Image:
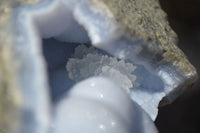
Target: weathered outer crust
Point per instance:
(145, 19)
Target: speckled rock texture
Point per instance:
(145, 19)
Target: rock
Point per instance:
(136, 31)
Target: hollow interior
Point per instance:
(58, 50)
(56, 54)
(61, 35)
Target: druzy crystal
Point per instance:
(44, 64)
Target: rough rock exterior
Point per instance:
(145, 19)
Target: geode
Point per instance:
(136, 32)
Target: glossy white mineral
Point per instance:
(97, 105)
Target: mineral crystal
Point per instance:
(104, 108)
(88, 62)
(135, 31)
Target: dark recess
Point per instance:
(183, 115)
(56, 54)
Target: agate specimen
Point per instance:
(125, 47)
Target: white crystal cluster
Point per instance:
(88, 61)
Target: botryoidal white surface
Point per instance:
(88, 61)
(97, 105)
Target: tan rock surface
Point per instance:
(146, 19)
